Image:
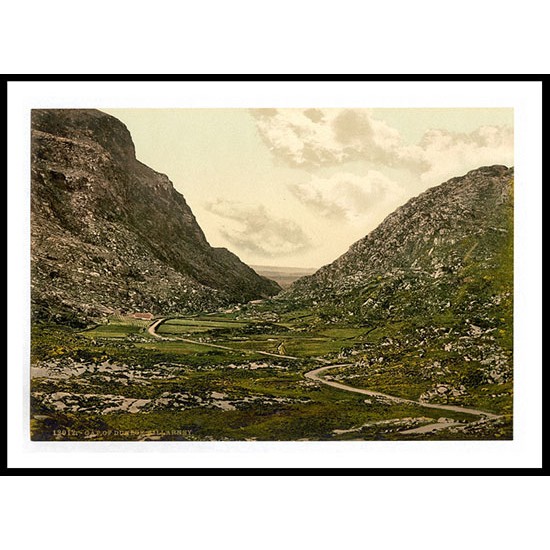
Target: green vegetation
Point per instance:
(117, 329)
(198, 324)
(189, 390)
(420, 311)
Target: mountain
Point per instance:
(446, 243)
(284, 276)
(109, 233)
(432, 286)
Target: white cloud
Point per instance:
(349, 197)
(449, 154)
(317, 137)
(251, 228)
(322, 137)
(301, 137)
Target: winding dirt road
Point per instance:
(152, 330)
(315, 375)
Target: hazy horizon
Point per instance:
(296, 188)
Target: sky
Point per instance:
(297, 187)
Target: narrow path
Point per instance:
(314, 375)
(152, 330)
(274, 354)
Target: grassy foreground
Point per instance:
(117, 382)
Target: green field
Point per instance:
(198, 324)
(117, 329)
(117, 382)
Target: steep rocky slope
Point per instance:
(433, 288)
(449, 239)
(110, 233)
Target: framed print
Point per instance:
(229, 273)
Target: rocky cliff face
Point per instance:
(110, 233)
(444, 250)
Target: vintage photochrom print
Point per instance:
(274, 274)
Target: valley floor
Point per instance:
(244, 376)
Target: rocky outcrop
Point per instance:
(110, 233)
(447, 249)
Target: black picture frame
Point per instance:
(296, 471)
